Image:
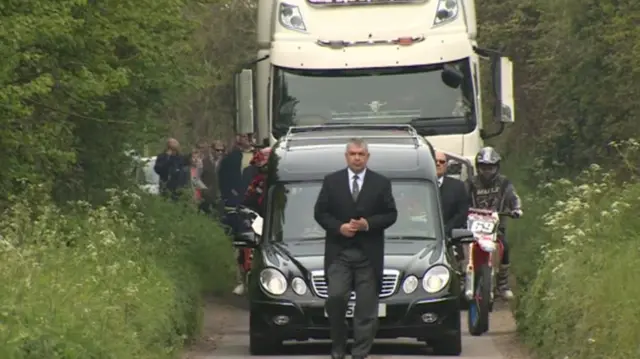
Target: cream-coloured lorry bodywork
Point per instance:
(445, 42)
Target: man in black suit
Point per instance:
(453, 196)
(354, 206)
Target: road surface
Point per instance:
(226, 328)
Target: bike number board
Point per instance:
(485, 227)
(351, 309)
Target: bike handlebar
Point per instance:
(240, 209)
(490, 212)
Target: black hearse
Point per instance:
(287, 288)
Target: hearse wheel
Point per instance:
(447, 346)
(262, 342)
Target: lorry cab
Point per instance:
(411, 62)
(287, 288)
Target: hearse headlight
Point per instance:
(273, 281)
(291, 17)
(299, 286)
(446, 11)
(410, 284)
(435, 279)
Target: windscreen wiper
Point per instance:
(436, 120)
(309, 239)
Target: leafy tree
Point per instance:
(577, 68)
(82, 81)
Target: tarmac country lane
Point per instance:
(226, 328)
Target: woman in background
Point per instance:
(195, 168)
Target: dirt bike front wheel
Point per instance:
(480, 305)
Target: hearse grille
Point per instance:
(390, 280)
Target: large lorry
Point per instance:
(373, 61)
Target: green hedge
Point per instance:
(576, 257)
(119, 281)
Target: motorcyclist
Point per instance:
(253, 199)
(491, 190)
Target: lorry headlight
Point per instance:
(291, 18)
(435, 279)
(273, 281)
(410, 284)
(299, 286)
(446, 11)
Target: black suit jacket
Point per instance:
(335, 206)
(455, 203)
(232, 177)
(209, 177)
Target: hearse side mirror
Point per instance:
(451, 76)
(503, 81)
(459, 236)
(256, 225)
(246, 239)
(244, 101)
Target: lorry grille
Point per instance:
(390, 280)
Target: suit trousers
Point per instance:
(351, 271)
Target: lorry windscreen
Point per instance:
(384, 95)
(292, 207)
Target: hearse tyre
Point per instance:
(262, 343)
(450, 345)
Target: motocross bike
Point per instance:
(483, 254)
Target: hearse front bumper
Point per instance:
(423, 319)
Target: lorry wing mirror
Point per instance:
(454, 168)
(244, 101)
(451, 76)
(506, 110)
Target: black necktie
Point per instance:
(356, 188)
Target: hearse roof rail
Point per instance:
(305, 135)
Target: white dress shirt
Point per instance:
(360, 178)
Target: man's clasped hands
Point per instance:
(349, 229)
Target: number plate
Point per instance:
(480, 226)
(351, 307)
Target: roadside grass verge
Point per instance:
(119, 281)
(576, 258)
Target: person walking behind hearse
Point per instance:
(232, 183)
(355, 206)
(454, 199)
(211, 164)
(195, 171)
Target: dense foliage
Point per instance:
(576, 259)
(83, 81)
(123, 280)
(86, 272)
(577, 69)
(574, 253)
